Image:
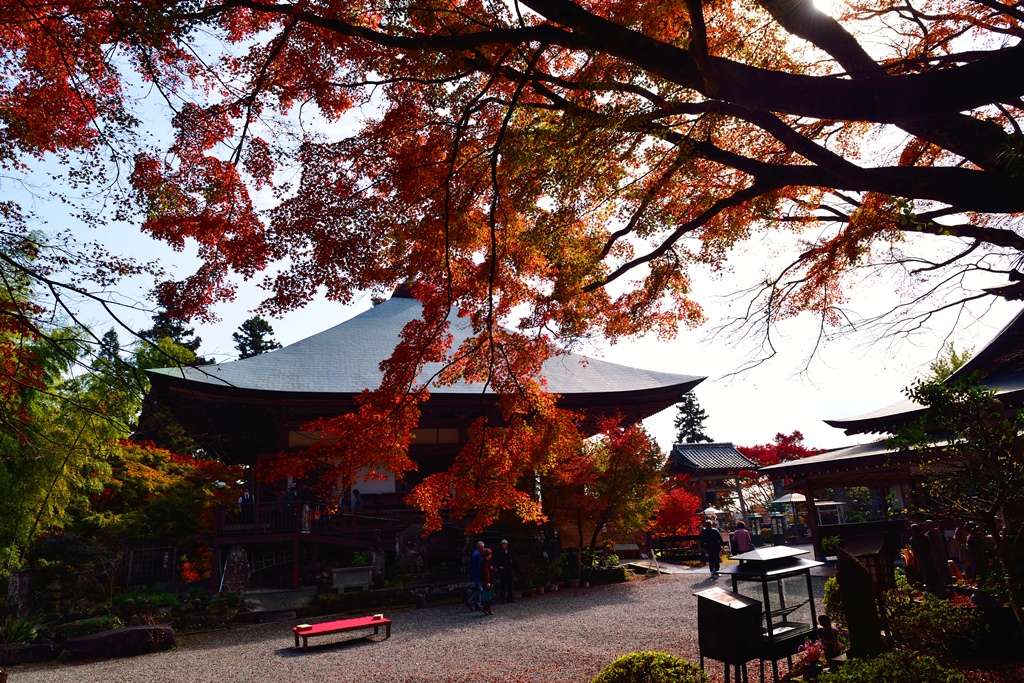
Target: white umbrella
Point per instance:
(791, 498)
(712, 511)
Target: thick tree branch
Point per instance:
(881, 99)
(1008, 10)
(976, 140)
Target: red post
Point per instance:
(215, 566)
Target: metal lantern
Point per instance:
(780, 581)
(778, 521)
(754, 522)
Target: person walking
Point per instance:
(744, 544)
(506, 564)
(711, 542)
(476, 561)
(487, 594)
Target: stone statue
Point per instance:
(859, 602)
(929, 575)
(828, 637)
(409, 550)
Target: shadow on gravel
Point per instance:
(335, 646)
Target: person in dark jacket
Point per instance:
(506, 565)
(476, 561)
(711, 542)
(486, 580)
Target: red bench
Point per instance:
(326, 627)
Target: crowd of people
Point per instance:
(295, 502)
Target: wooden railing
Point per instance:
(313, 518)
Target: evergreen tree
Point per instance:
(254, 337)
(689, 422)
(166, 327)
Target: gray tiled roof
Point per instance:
(708, 458)
(345, 359)
(889, 418)
(869, 459)
(840, 458)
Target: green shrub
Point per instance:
(767, 535)
(18, 630)
(830, 544)
(901, 666)
(232, 600)
(156, 598)
(833, 603)
(557, 567)
(86, 627)
(361, 558)
(650, 667)
(197, 593)
(930, 624)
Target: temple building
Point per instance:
(250, 410)
(714, 468)
(891, 474)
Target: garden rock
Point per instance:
(20, 590)
(236, 572)
(123, 642)
(27, 653)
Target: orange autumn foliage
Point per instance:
(521, 162)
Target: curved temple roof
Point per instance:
(999, 365)
(345, 359)
(708, 460)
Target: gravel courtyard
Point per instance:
(561, 637)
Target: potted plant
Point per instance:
(829, 544)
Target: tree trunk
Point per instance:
(1009, 574)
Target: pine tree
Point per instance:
(166, 327)
(254, 337)
(689, 422)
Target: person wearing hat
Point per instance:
(506, 564)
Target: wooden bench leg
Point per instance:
(387, 630)
(296, 638)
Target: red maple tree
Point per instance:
(784, 448)
(515, 160)
(680, 511)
